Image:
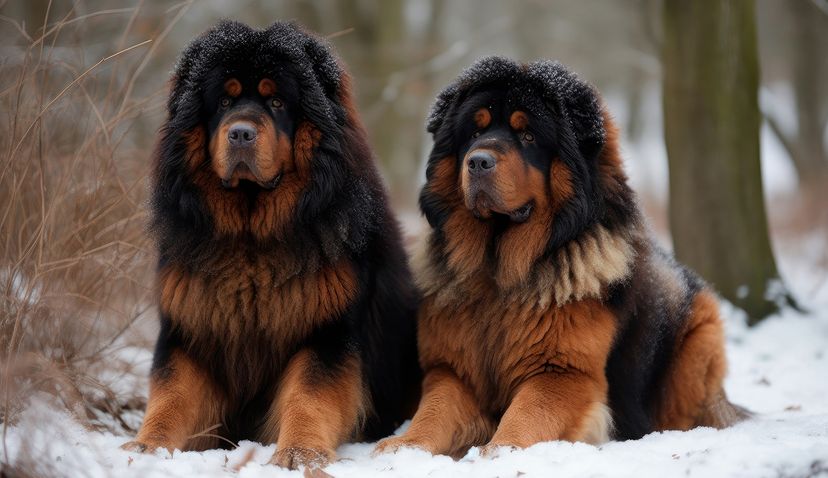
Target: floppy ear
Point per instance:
(441, 170)
(576, 105)
(580, 136)
(440, 174)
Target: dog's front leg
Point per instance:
(557, 405)
(183, 401)
(318, 405)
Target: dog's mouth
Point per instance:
(241, 172)
(483, 207)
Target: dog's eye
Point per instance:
(528, 137)
(475, 134)
(225, 102)
(276, 103)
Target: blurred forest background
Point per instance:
(82, 93)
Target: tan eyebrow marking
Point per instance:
(267, 87)
(233, 87)
(482, 117)
(518, 120)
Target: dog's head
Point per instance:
(524, 140)
(261, 139)
(251, 126)
(504, 152)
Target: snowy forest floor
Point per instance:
(778, 369)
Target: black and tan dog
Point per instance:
(287, 307)
(548, 311)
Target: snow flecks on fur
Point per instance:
(231, 43)
(548, 80)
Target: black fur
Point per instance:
(650, 317)
(575, 122)
(341, 214)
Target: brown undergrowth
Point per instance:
(75, 266)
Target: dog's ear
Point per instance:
(226, 39)
(576, 107)
(485, 71)
(578, 123)
(441, 123)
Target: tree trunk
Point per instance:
(711, 122)
(809, 77)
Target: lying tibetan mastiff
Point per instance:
(548, 311)
(288, 312)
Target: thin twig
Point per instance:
(340, 33)
(65, 89)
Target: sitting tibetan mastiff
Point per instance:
(288, 312)
(548, 312)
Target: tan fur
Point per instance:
(560, 180)
(610, 163)
(203, 303)
(466, 241)
(194, 139)
(694, 383)
(273, 152)
(448, 420)
(521, 244)
(232, 87)
(518, 120)
(544, 371)
(584, 268)
(551, 406)
(273, 211)
(229, 213)
(608, 257)
(512, 184)
(444, 180)
(519, 248)
(218, 148)
(266, 87)
(183, 401)
(596, 425)
(312, 415)
(482, 118)
(523, 343)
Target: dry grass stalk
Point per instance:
(74, 259)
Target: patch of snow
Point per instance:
(778, 173)
(742, 291)
(777, 369)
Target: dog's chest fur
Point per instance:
(253, 308)
(494, 345)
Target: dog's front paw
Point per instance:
(393, 444)
(146, 446)
(492, 449)
(293, 457)
(137, 447)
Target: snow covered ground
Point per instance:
(778, 369)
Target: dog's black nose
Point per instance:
(241, 134)
(480, 162)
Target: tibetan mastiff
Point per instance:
(288, 311)
(548, 311)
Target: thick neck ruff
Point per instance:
(581, 269)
